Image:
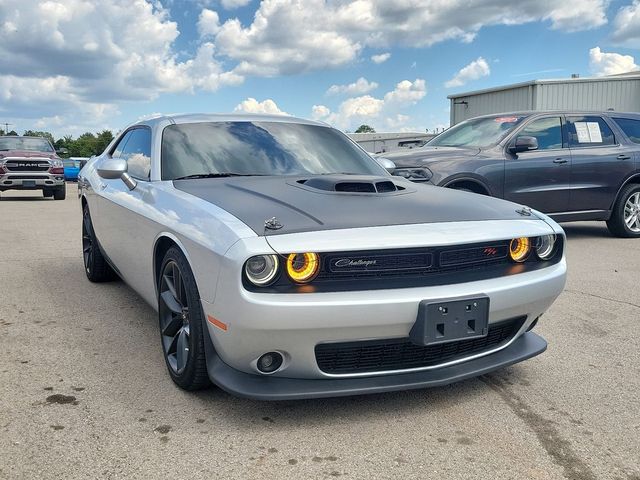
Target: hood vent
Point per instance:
(351, 184)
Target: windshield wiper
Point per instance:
(217, 175)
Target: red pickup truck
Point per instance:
(31, 163)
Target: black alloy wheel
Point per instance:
(181, 322)
(95, 265)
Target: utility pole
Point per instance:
(6, 127)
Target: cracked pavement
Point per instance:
(85, 393)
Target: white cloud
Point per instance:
(285, 36)
(359, 87)
(58, 61)
(367, 109)
(626, 25)
(477, 69)
(380, 58)
(602, 63)
(407, 93)
(208, 23)
(251, 105)
(231, 4)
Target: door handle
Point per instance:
(622, 156)
(560, 161)
(102, 186)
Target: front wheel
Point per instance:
(625, 217)
(95, 265)
(60, 193)
(181, 322)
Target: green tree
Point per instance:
(36, 133)
(365, 129)
(103, 139)
(13, 133)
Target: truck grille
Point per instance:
(400, 354)
(27, 165)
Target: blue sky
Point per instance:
(93, 64)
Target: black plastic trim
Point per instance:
(269, 387)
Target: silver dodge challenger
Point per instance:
(284, 262)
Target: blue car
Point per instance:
(72, 168)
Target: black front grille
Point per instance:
(27, 166)
(400, 354)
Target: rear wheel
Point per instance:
(95, 265)
(60, 193)
(625, 217)
(181, 322)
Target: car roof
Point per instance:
(224, 117)
(529, 113)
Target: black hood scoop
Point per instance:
(351, 184)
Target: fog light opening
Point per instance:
(269, 362)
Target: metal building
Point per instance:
(617, 92)
(390, 142)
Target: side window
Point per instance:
(630, 127)
(548, 132)
(117, 152)
(137, 153)
(589, 131)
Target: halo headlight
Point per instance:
(519, 249)
(261, 269)
(545, 246)
(303, 267)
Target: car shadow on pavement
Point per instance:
(586, 230)
(340, 410)
(22, 199)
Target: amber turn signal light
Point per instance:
(303, 267)
(519, 249)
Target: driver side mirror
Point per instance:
(385, 163)
(524, 144)
(114, 168)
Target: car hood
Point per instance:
(300, 208)
(27, 154)
(425, 155)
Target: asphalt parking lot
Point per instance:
(85, 393)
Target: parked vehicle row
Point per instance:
(284, 263)
(569, 165)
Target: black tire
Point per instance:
(626, 204)
(181, 322)
(47, 193)
(60, 193)
(95, 265)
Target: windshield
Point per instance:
(25, 143)
(477, 133)
(260, 148)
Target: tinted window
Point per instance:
(117, 152)
(478, 133)
(137, 153)
(260, 148)
(630, 127)
(25, 143)
(589, 131)
(548, 132)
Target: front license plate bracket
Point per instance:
(451, 320)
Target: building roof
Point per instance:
(611, 78)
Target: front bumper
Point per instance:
(30, 180)
(275, 388)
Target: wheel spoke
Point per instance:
(173, 326)
(182, 351)
(171, 303)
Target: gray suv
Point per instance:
(569, 165)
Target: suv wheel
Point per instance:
(181, 322)
(47, 193)
(60, 193)
(625, 217)
(95, 265)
